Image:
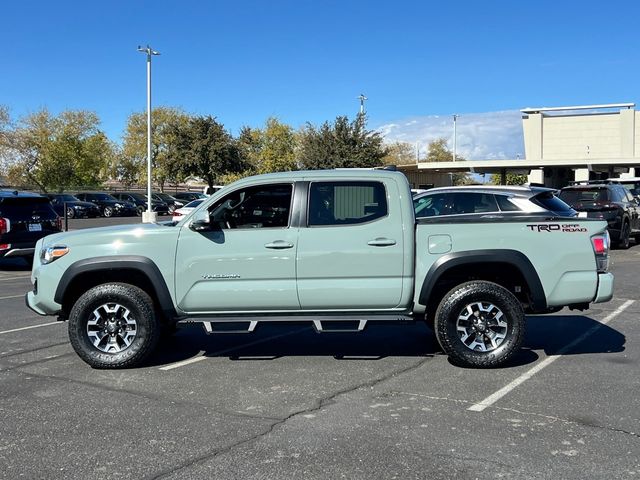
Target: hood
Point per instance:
(140, 232)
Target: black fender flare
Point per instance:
(512, 257)
(111, 263)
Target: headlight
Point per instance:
(52, 253)
(118, 205)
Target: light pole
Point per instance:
(148, 216)
(455, 117)
(362, 98)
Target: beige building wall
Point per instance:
(581, 136)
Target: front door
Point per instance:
(246, 260)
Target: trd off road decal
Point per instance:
(556, 227)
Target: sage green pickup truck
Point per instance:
(338, 249)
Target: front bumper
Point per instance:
(604, 293)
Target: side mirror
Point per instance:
(200, 221)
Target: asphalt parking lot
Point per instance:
(286, 403)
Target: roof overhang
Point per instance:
(529, 110)
(518, 166)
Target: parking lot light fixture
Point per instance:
(148, 216)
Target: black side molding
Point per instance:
(512, 257)
(113, 263)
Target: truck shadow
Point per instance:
(545, 333)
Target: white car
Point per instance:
(180, 213)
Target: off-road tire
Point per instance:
(141, 308)
(454, 304)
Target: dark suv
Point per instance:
(108, 205)
(608, 201)
(24, 219)
(140, 201)
(75, 207)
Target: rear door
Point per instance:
(350, 255)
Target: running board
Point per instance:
(338, 323)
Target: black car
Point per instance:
(608, 201)
(172, 202)
(189, 196)
(75, 207)
(108, 205)
(140, 201)
(24, 219)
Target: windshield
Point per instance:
(550, 202)
(193, 204)
(66, 198)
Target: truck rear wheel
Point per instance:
(113, 326)
(479, 324)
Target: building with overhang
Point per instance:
(562, 144)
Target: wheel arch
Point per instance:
(136, 270)
(513, 265)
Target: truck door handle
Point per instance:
(278, 245)
(381, 242)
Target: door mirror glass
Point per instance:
(200, 220)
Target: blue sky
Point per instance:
(308, 60)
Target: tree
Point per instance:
(512, 179)
(342, 144)
(399, 153)
(205, 149)
(439, 152)
(271, 149)
(165, 123)
(57, 152)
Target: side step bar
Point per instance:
(347, 323)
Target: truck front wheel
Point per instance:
(113, 326)
(479, 324)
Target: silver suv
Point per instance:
(490, 200)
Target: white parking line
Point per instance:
(12, 296)
(29, 328)
(493, 398)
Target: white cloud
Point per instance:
(480, 136)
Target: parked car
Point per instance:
(172, 202)
(490, 200)
(189, 196)
(75, 207)
(107, 204)
(24, 219)
(140, 201)
(180, 213)
(608, 201)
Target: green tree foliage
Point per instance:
(439, 152)
(342, 144)
(271, 149)
(512, 179)
(399, 153)
(57, 152)
(205, 149)
(165, 125)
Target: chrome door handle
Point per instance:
(278, 245)
(381, 242)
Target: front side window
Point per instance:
(264, 206)
(346, 203)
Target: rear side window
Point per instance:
(346, 203)
(550, 202)
(506, 205)
(471, 202)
